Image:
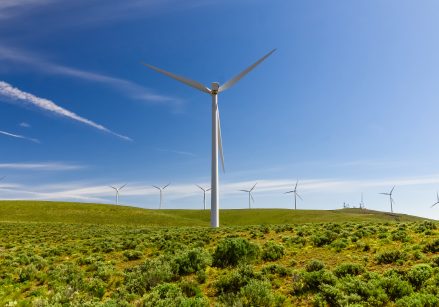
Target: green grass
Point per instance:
(69, 212)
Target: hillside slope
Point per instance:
(69, 212)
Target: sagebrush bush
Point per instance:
(191, 261)
(432, 247)
(323, 238)
(272, 251)
(142, 278)
(418, 300)
(314, 265)
(348, 269)
(391, 256)
(233, 251)
(170, 295)
(233, 281)
(395, 286)
(419, 274)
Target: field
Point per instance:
(64, 254)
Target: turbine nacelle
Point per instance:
(215, 88)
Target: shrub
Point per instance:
(418, 300)
(233, 251)
(339, 244)
(435, 261)
(132, 254)
(169, 295)
(258, 293)
(388, 257)
(400, 235)
(432, 247)
(235, 280)
(272, 251)
(142, 278)
(419, 274)
(314, 265)
(191, 261)
(276, 269)
(311, 281)
(322, 239)
(395, 286)
(348, 269)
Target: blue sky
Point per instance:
(347, 104)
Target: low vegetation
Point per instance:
(314, 264)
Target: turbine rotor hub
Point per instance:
(215, 88)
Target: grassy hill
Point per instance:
(69, 212)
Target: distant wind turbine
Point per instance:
(390, 198)
(437, 200)
(204, 195)
(250, 196)
(216, 126)
(161, 189)
(361, 202)
(117, 192)
(295, 194)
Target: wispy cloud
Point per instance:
(102, 192)
(131, 89)
(11, 8)
(17, 136)
(24, 125)
(42, 166)
(178, 152)
(15, 95)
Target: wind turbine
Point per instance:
(295, 194)
(117, 192)
(250, 195)
(390, 197)
(216, 126)
(204, 194)
(361, 202)
(437, 201)
(161, 189)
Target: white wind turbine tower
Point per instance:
(117, 192)
(437, 200)
(295, 194)
(250, 195)
(161, 189)
(361, 202)
(391, 198)
(204, 195)
(216, 126)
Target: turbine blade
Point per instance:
(435, 204)
(208, 189)
(156, 187)
(253, 187)
(384, 194)
(251, 196)
(220, 140)
(232, 82)
(289, 192)
(122, 186)
(166, 186)
(199, 187)
(113, 187)
(245, 191)
(189, 82)
(391, 191)
(299, 196)
(297, 182)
